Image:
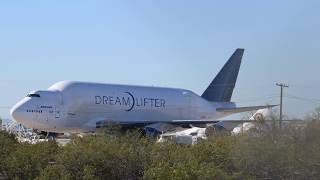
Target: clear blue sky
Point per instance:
(168, 43)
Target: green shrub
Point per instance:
(8, 144)
(292, 153)
(27, 160)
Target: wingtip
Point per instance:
(272, 106)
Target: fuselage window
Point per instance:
(48, 107)
(33, 95)
(34, 111)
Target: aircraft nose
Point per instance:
(21, 113)
(16, 113)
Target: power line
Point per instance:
(256, 99)
(314, 101)
(5, 107)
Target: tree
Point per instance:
(315, 115)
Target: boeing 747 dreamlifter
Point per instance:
(75, 107)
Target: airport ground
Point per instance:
(292, 153)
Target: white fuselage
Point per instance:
(79, 106)
(74, 107)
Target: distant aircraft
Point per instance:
(75, 107)
(194, 134)
(186, 136)
(258, 121)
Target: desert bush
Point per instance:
(103, 157)
(27, 160)
(290, 153)
(8, 143)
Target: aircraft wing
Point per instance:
(243, 109)
(160, 127)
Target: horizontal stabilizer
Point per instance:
(243, 109)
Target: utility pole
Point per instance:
(281, 85)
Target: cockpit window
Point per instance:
(33, 95)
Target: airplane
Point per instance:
(77, 107)
(258, 121)
(186, 136)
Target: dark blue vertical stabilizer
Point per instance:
(221, 88)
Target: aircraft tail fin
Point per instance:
(221, 88)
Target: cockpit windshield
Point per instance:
(33, 95)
